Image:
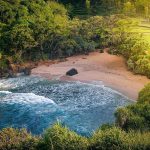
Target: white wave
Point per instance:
(26, 98)
(5, 92)
(101, 85)
(18, 82)
(4, 85)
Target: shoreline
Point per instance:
(111, 70)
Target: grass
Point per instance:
(144, 28)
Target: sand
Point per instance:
(110, 69)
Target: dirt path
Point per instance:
(109, 69)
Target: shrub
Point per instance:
(122, 115)
(3, 62)
(138, 141)
(117, 139)
(144, 95)
(136, 122)
(15, 139)
(135, 117)
(106, 126)
(61, 138)
(109, 139)
(132, 46)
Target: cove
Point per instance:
(36, 104)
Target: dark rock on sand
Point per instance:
(72, 72)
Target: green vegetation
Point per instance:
(35, 30)
(117, 139)
(15, 139)
(131, 45)
(41, 29)
(144, 95)
(86, 8)
(59, 137)
(131, 132)
(137, 53)
(136, 116)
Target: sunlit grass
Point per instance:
(144, 29)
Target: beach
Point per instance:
(111, 70)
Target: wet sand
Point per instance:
(109, 69)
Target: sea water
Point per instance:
(36, 104)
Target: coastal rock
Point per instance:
(72, 72)
(11, 74)
(27, 71)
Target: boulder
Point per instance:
(27, 71)
(12, 74)
(24, 70)
(72, 72)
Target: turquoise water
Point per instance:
(36, 104)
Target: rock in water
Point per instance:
(72, 72)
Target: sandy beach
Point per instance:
(109, 69)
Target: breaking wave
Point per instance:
(36, 103)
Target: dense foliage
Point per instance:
(117, 139)
(121, 40)
(34, 30)
(130, 7)
(131, 132)
(136, 116)
(86, 8)
(15, 139)
(41, 29)
(59, 137)
(144, 95)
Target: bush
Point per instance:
(136, 122)
(61, 138)
(110, 139)
(138, 141)
(117, 139)
(136, 116)
(122, 115)
(4, 66)
(15, 139)
(3, 62)
(144, 95)
(132, 46)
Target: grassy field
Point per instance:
(144, 28)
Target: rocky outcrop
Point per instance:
(14, 70)
(72, 72)
(22, 69)
(27, 71)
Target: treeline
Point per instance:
(130, 132)
(129, 7)
(38, 30)
(133, 7)
(122, 41)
